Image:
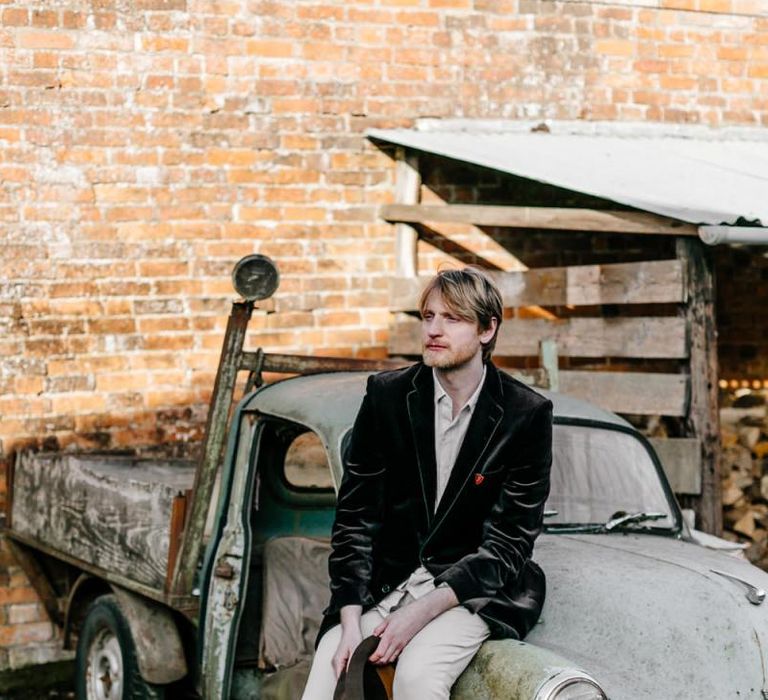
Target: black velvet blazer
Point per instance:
(480, 539)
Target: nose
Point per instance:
(433, 327)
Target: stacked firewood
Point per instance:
(744, 469)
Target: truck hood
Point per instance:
(645, 615)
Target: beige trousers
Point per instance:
(427, 667)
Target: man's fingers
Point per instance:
(389, 655)
(340, 661)
(338, 665)
(379, 652)
(387, 651)
(379, 630)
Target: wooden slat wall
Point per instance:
(692, 463)
(584, 285)
(642, 393)
(648, 337)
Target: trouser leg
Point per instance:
(431, 662)
(322, 680)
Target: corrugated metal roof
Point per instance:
(701, 181)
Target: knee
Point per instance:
(418, 681)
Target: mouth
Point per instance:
(435, 346)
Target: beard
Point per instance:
(450, 358)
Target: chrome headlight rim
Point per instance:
(553, 686)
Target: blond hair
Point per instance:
(472, 296)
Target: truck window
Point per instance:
(306, 464)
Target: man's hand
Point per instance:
(404, 624)
(351, 636)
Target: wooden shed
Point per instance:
(626, 316)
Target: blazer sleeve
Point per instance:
(358, 512)
(514, 522)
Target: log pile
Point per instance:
(744, 430)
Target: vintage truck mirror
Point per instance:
(255, 277)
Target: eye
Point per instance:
(427, 316)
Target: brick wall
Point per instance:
(146, 146)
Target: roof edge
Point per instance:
(594, 128)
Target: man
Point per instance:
(444, 485)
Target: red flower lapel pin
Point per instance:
(479, 479)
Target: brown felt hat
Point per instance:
(362, 680)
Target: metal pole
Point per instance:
(215, 439)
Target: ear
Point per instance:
(488, 333)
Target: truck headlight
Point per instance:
(570, 685)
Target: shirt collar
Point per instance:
(471, 401)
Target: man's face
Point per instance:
(449, 342)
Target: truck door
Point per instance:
(226, 566)
(277, 491)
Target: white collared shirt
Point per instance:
(450, 431)
(449, 434)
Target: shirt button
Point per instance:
(385, 588)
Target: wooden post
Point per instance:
(407, 191)
(548, 361)
(703, 415)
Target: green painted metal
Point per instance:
(508, 669)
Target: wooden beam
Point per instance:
(178, 518)
(643, 393)
(659, 281)
(681, 459)
(540, 218)
(662, 337)
(703, 419)
(407, 190)
(548, 359)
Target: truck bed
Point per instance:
(110, 512)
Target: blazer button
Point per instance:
(385, 588)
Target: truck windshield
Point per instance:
(599, 474)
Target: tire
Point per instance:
(106, 664)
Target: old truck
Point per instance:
(175, 579)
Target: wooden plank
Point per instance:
(9, 476)
(540, 218)
(178, 519)
(704, 418)
(662, 337)
(548, 359)
(681, 459)
(643, 393)
(407, 191)
(110, 512)
(658, 281)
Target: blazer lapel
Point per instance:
(421, 414)
(484, 423)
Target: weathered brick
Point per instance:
(33, 39)
(146, 148)
(15, 17)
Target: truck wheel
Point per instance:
(107, 668)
